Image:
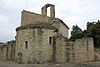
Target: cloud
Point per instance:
(72, 12)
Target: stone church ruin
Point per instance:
(42, 39)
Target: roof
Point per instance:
(63, 22)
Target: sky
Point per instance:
(72, 12)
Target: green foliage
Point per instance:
(11, 42)
(93, 30)
(76, 33)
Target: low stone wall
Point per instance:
(7, 52)
(97, 54)
(3, 53)
(82, 50)
(79, 51)
(60, 50)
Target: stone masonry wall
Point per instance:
(32, 18)
(60, 55)
(59, 24)
(97, 54)
(83, 50)
(7, 52)
(70, 52)
(39, 50)
(4, 51)
(80, 51)
(10, 52)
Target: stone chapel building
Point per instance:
(43, 39)
(36, 37)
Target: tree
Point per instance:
(11, 42)
(93, 30)
(76, 33)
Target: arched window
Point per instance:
(48, 11)
(51, 9)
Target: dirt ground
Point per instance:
(13, 64)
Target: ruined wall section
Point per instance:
(7, 52)
(97, 54)
(70, 52)
(60, 54)
(80, 51)
(4, 52)
(91, 50)
(84, 50)
(0, 53)
(10, 55)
